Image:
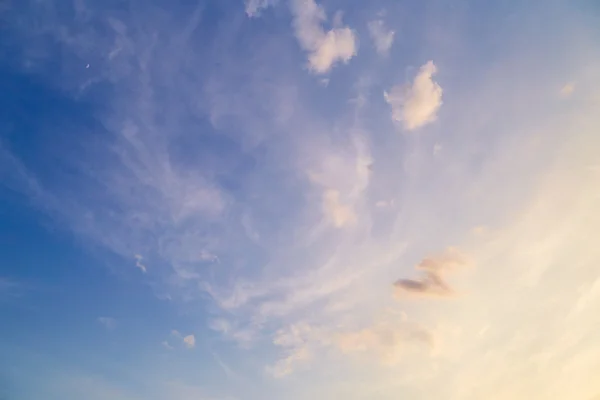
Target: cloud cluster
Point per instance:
(416, 105)
(325, 48)
(434, 269)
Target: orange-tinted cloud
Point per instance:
(432, 283)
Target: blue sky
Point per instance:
(299, 199)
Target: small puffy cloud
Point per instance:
(325, 48)
(417, 104)
(254, 7)
(567, 90)
(208, 256)
(189, 341)
(139, 264)
(383, 38)
(338, 213)
(107, 322)
(432, 283)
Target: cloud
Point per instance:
(138, 263)
(325, 48)
(189, 341)
(382, 37)
(432, 283)
(243, 336)
(254, 7)
(388, 341)
(417, 104)
(343, 180)
(338, 213)
(107, 322)
(567, 90)
(285, 366)
(296, 340)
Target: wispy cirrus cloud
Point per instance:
(382, 37)
(139, 264)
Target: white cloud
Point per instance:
(382, 37)
(343, 179)
(338, 213)
(139, 264)
(107, 322)
(254, 7)
(325, 48)
(417, 104)
(189, 341)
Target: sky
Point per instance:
(299, 199)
